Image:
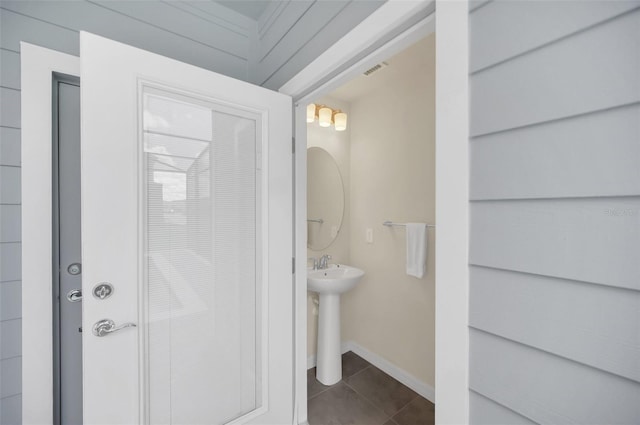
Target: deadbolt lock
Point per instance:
(74, 269)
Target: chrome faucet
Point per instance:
(315, 262)
(323, 262)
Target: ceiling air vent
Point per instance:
(375, 68)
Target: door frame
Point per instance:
(38, 66)
(390, 29)
(58, 307)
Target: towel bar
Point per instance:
(390, 223)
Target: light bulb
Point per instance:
(340, 120)
(324, 117)
(311, 112)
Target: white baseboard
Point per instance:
(422, 388)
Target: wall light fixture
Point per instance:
(327, 116)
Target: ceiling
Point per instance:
(420, 55)
(250, 8)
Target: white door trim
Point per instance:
(452, 195)
(37, 68)
(452, 212)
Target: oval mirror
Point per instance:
(325, 199)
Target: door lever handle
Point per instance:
(74, 295)
(106, 326)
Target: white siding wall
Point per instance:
(555, 212)
(292, 33)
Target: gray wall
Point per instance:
(288, 36)
(555, 212)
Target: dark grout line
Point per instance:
(373, 403)
(387, 417)
(317, 394)
(405, 406)
(366, 399)
(344, 378)
(358, 372)
(323, 391)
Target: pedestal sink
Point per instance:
(329, 283)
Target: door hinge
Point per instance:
(293, 145)
(293, 265)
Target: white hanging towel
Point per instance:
(416, 249)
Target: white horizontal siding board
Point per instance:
(270, 15)
(285, 20)
(589, 155)
(10, 296)
(9, 146)
(304, 29)
(9, 107)
(592, 239)
(11, 336)
(223, 16)
(177, 21)
(15, 28)
(592, 324)
(547, 388)
(11, 410)
(354, 12)
(9, 69)
(10, 185)
(252, 71)
(10, 261)
(10, 376)
(475, 4)
(10, 223)
(122, 28)
(504, 29)
(191, 7)
(592, 70)
(484, 411)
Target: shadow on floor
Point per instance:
(365, 396)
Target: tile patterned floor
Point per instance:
(365, 396)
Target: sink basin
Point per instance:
(337, 279)
(330, 283)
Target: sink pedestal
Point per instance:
(329, 283)
(329, 359)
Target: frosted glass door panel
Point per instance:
(203, 279)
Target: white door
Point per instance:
(187, 215)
